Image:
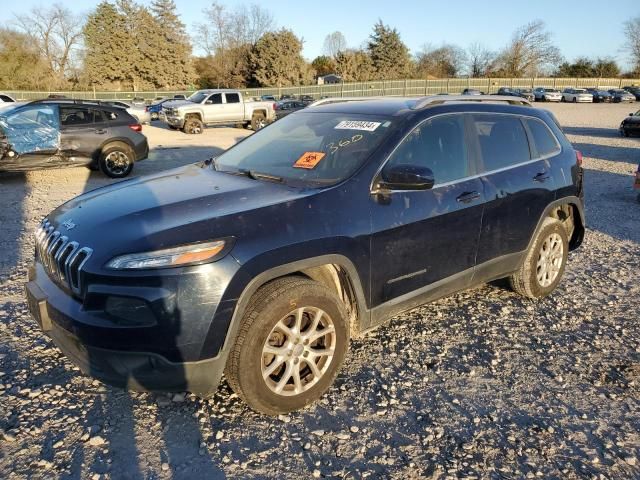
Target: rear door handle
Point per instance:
(541, 177)
(468, 197)
(101, 131)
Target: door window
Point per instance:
(502, 140)
(232, 97)
(32, 128)
(216, 99)
(439, 144)
(74, 116)
(544, 141)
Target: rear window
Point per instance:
(232, 97)
(502, 139)
(544, 141)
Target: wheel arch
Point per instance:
(335, 271)
(114, 141)
(570, 211)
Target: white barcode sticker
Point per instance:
(357, 125)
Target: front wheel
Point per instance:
(116, 161)
(290, 346)
(154, 116)
(193, 126)
(545, 262)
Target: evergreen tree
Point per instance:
(323, 65)
(174, 68)
(276, 60)
(107, 47)
(355, 66)
(389, 55)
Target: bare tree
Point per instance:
(226, 29)
(479, 60)
(529, 52)
(632, 45)
(334, 43)
(442, 62)
(58, 34)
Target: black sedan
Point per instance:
(630, 125)
(285, 107)
(600, 96)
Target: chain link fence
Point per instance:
(361, 89)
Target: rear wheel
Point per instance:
(290, 346)
(575, 100)
(116, 161)
(154, 116)
(258, 121)
(544, 263)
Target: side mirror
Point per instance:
(631, 114)
(406, 177)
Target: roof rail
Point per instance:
(324, 101)
(64, 100)
(440, 99)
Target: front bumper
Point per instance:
(180, 350)
(173, 120)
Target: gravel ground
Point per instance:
(483, 384)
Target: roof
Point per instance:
(395, 106)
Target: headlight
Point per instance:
(170, 257)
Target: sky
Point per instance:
(587, 28)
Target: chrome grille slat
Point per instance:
(62, 258)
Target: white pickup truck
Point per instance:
(216, 107)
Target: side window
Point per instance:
(502, 140)
(5, 98)
(232, 97)
(544, 141)
(70, 116)
(98, 116)
(216, 99)
(110, 115)
(438, 144)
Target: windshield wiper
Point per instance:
(255, 175)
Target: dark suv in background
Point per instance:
(59, 133)
(263, 261)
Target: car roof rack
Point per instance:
(324, 101)
(65, 100)
(440, 99)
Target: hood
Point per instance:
(176, 103)
(185, 205)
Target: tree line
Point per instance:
(124, 45)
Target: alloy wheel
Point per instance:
(298, 351)
(550, 258)
(116, 162)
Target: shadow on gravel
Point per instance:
(592, 132)
(611, 204)
(608, 152)
(14, 189)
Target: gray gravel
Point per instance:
(483, 384)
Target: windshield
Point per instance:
(550, 90)
(317, 148)
(198, 97)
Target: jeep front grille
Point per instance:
(61, 257)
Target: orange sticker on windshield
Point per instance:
(309, 160)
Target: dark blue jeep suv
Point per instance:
(262, 262)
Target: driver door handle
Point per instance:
(468, 197)
(101, 131)
(541, 177)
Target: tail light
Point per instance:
(146, 109)
(275, 106)
(579, 158)
(136, 127)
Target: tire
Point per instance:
(575, 100)
(193, 126)
(279, 303)
(537, 278)
(562, 99)
(154, 116)
(172, 127)
(258, 121)
(116, 161)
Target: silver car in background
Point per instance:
(576, 95)
(139, 112)
(544, 94)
